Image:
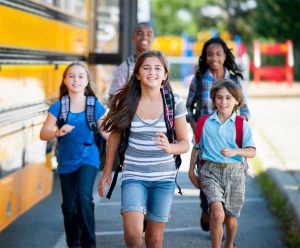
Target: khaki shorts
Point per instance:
(224, 183)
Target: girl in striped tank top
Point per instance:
(148, 175)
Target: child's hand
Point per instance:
(65, 129)
(227, 152)
(195, 180)
(104, 181)
(162, 141)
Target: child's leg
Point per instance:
(161, 194)
(154, 233)
(133, 228)
(134, 205)
(217, 217)
(231, 229)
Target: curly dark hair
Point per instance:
(229, 62)
(125, 102)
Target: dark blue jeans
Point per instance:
(78, 206)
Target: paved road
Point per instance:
(258, 227)
(42, 225)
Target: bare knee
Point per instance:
(133, 240)
(231, 222)
(154, 234)
(133, 229)
(153, 242)
(217, 216)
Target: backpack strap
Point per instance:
(169, 110)
(198, 93)
(63, 111)
(198, 135)
(239, 123)
(130, 60)
(90, 113)
(121, 152)
(169, 116)
(91, 121)
(239, 126)
(199, 128)
(128, 69)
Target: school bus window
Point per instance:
(79, 7)
(47, 1)
(59, 3)
(70, 6)
(108, 19)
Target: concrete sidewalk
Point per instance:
(276, 127)
(273, 89)
(276, 124)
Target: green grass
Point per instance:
(278, 203)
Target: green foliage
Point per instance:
(278, 19)
(272, 20)
(167, 21)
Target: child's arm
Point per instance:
(112, 147)
(193, 178)
(190, 103)
(182, 145)
(103, 133)
(47, 132)
(248, 152)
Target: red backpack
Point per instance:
(239, 125)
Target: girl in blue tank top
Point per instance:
(78, 155)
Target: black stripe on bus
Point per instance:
(20, 56)
(44, 11)
(104, 58)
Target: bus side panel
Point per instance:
(21, 190)
(23, 30)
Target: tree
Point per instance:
(172, 17)
(278, 20)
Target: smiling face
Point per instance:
(143, 38)
(215, 57)
(152, 72)
(76, 79)
(224, 102)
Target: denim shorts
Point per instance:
(153, 199)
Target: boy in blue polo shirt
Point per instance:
(222, 176)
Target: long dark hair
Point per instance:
(63, 90)
(125, 102)
(229, 62)
(232, 88)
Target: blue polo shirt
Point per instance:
(217, 135)
(72, 151)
